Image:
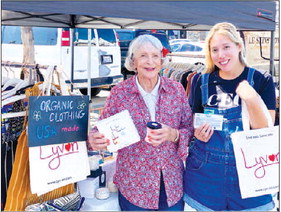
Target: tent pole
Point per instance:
(271, 67)
(89, 63)
(72, 56)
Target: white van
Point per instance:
(52, 47)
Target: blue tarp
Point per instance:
(190, 15)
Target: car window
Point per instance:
(81, 36)
(42, 35)
(163, 39)
(11, 34)
(175, 47)
(198, 49)
(190, 47)
(160, 35)
(106, 37)
(126, 36)
(45, 36)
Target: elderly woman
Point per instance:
(149, 173)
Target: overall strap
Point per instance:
(250, 77)
(205, 88)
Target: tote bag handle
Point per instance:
(245, 114)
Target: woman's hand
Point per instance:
(97, 141)
(246, 91)
(204, 132)
(158, 136)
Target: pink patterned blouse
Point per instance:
(139, 165)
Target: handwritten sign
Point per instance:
(56, 165)
(119, 129)
(257, 161)
(57, 119)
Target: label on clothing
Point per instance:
(208, 111)
(214, 120)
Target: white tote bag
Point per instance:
(257, 157)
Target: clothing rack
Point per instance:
(23, 65)
(11, 64)
(32, 76)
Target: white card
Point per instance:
(214, 120)
(119, 129)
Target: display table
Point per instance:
(93, 204)
(88, 188)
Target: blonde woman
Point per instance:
(211, 181)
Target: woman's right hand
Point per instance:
(204, 132)
(97, 141)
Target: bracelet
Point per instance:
(178, 135)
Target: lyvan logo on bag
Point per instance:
(259, 164)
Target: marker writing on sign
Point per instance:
(53, 105)
(57, 152)
(45, 131)
(260, 163)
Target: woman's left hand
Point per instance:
(158, 136)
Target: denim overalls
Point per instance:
(211, 180)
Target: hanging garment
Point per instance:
(11, 130)
(189, 80)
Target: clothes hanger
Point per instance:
(13, 99)
(11, 82)
(13, 115)
(13, 91)
(4, 80)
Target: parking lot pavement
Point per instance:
(99, 100)
(96, 106)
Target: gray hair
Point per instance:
(136, 44)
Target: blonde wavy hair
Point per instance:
(229, 30)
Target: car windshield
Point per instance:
(163, 40)
(175, 47)
(191, 48)
(42, 35)
(106, 37)
(125, 35)
(185, 47)
(160, 35)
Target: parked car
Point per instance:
(126, 36)
(188, 52)
(160, 34)
(52, 47)
(173, 41)
(184, 46)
